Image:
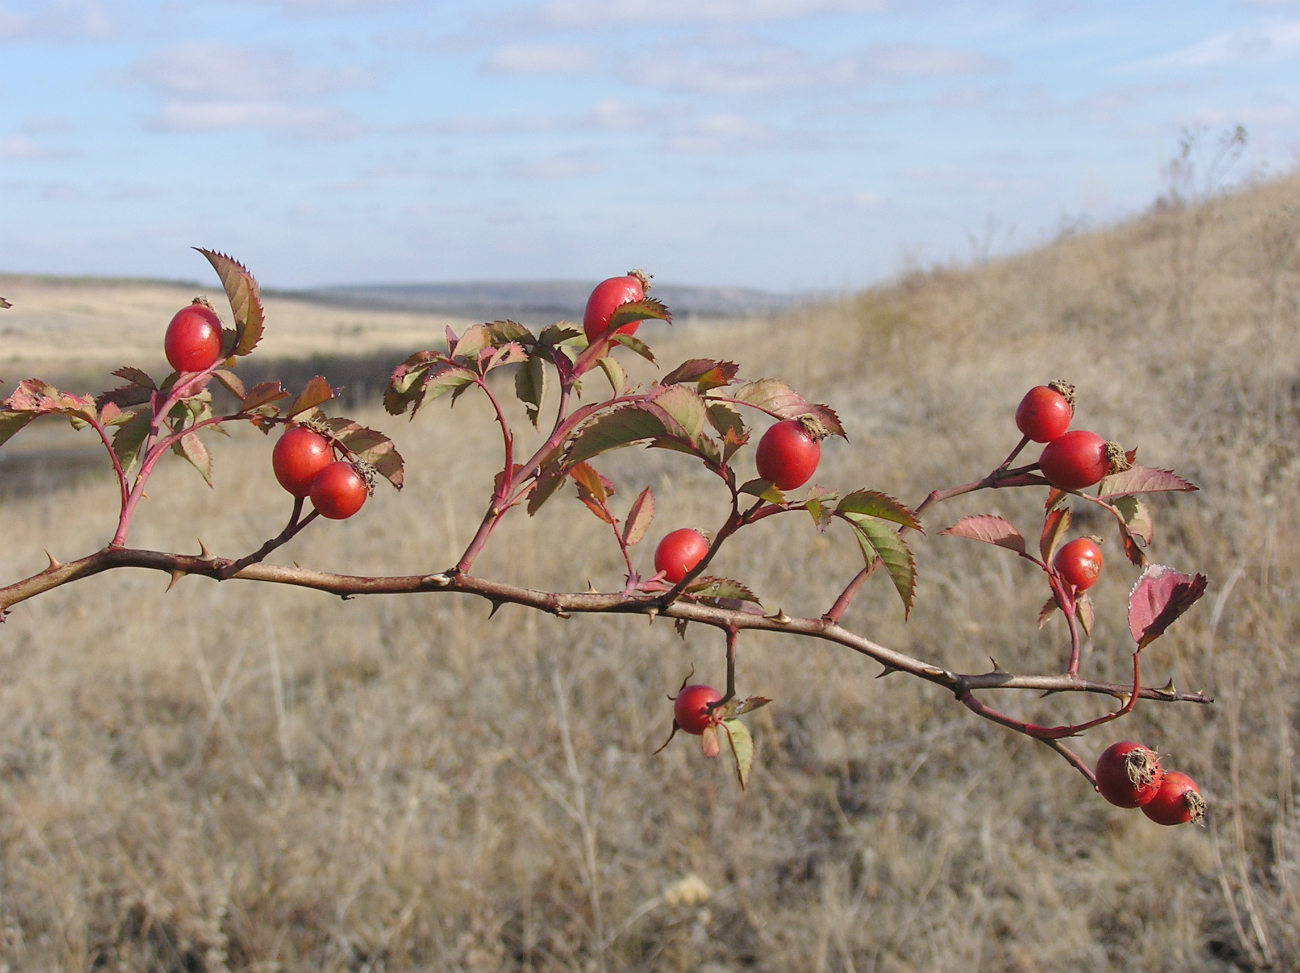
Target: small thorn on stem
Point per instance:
(54, 561)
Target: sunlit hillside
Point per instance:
(239, 776)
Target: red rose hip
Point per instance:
(1075, 460)
(679, 552)
(193, 339)
(1045, 412)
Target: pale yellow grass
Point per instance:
(229, 776)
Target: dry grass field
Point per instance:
(239, 776)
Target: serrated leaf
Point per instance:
(232, 382)
(591, 485)
(1055, 523)
(314, 393)
(1083, 611)
(193, 449)
(371, 446)
(684, 406)
(264, 393)
(990, 529)
(136, 376)
(763, 489)
(648, 308)
(729, 425)
(777, 398)
(639, 517)
(1143, 479)
(616, 429)
(11, 423)
(822, 511)
(530, 387)
(872, 503)
(739, 707)
(1158, 598)
(505, 332)
(742, 749)
(704, 372)
(636, 345)
(244, 296)
(712, 590)
(129, 438)
(549, 479)
(879, 540)
(1136, 527)
(614, 373)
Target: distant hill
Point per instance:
(546, 299)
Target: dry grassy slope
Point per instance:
(228, 776)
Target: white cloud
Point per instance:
(585, 13)
(66, 20)
(223, 70)
(540, 59)
(214, 115)
(1262, 42)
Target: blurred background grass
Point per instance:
(237, 776)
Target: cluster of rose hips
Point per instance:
(1072, 459)
(303, 459)
(304, 464)
(1129, 775)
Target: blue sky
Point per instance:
(781, 144)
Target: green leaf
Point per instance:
(730, 426)
(245, 299)
(11, 423)
(615, 373)
(684, 406)
(636, 345)
(742, 749)
(616, 429)
(720, 591)
(871, 503)
(530, 387)
(879, 540)
(648, 308)
(129, 437)
(507, 332)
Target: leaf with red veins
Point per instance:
(990, 529)
(244, 296)
(1143, 479)
(1160, 596)
(639, 517)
